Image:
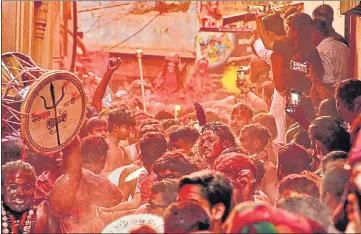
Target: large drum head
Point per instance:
(53, 112)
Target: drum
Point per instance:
(47, 108)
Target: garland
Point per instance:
(10, 225)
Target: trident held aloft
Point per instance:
(139, 54)
(55, 104)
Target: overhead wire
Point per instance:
(134, 34)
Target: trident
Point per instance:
(55, 104)
(139, 54)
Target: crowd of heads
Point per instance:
(231, 174)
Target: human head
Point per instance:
(327, 107)
(121, 123)
(254, 138)
(149, 122)
(334, 182)
(332, 157)
(152, 146)
(173, 165)
(94, 153)
(268, 121)
(296, 184)
(215, 137)
(162, 114)
(18, 185)
(162, 194)
(232, 165)
(290, 11)
(97, 127)
(324, 12)
(186, 218)
(292, 159)
(327, 134)
(170, 122)
(299, 27)
(241, 115)
(249, 217)
(274, 23)
(320, 31)
(184, 138)
(212, 190)
(302, 139)
(346, 93)
(307, 206)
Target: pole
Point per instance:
(139, 54)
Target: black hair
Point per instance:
(120, 117)
(222, 130)
(152, 146)
(347, 91)
(186, 218)
(188, 134)
(93, 148)
(330, 132)
(274, 23)
(215, 187)
(331, 157)
(321, 26)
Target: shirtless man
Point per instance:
(19, 215)
(121, 123)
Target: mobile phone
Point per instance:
(300, 67)
(240, 75)
(293, 100)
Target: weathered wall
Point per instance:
(174, 31)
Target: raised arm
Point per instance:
(63, 193)
(113, 65)
(267, 39)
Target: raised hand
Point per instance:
(114, 64)
(201, 115)
(247, 183)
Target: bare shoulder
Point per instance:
(46, 221)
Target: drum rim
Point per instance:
(27, 103)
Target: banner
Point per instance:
(228, 16)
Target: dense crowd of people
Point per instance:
(232, 163)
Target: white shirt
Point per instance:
(334, 56)
(262, 52)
